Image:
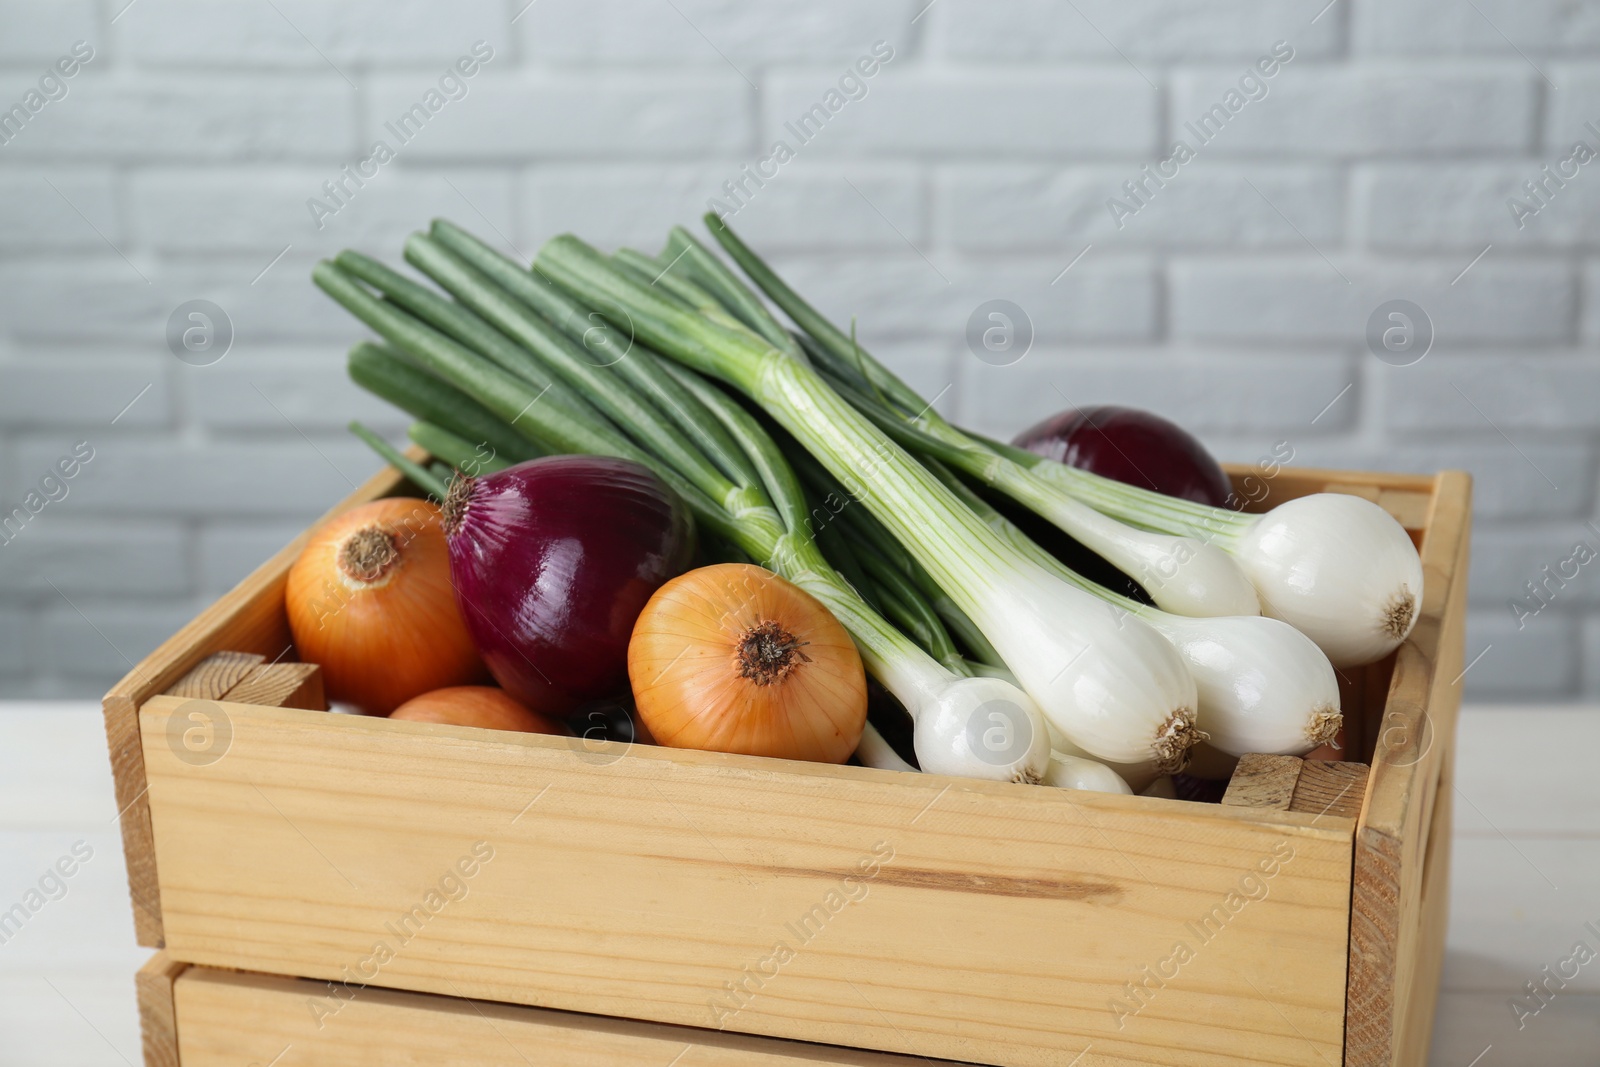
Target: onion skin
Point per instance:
(697, 684)
(553, 560)
(1340, 570)
(382, 641)
(482, 706)
(1132, 446)
(1078, 772)
(1263, 685)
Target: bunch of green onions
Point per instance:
(519, 368)
(833, 473)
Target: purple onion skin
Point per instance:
(552, 562)
(1131, 446)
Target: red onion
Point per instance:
(552, 561)
(1131, 446)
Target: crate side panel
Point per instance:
(905, 913)
(1394, 973)
(158, 1019)
(230, 1018)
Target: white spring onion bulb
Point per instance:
(1183, 575)
(1110, 683)
(1261, 685)
(1076, 772)
(874, 751)
(1064, 771)
(982, 724)
(1264, 686)
(1133, 775)
(1136, 775)
(1338, 568)
(984, 728)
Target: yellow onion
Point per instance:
(370, 600)
(733, 658)
(483, 706)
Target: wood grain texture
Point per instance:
(1400, 891)
(1329, 787)
(213, 676)
(1263, 781)
(282, 685)
(1002, 928)
(250, 619)
(230, 1019)
(158, 1020)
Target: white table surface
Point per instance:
(1525, 881)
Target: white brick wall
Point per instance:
(977, 166)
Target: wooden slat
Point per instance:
(282, 685)
(158, 1020)
(231, 1019)
(1332, 788)
(1263, 781)
(1420, 999)
(1365, 492)
(248, 619)
(1410, 507)
(1293, 482)
(1396, 929)
(1289, 783)
(213, 676)
(639, 887)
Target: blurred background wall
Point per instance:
(1246, 294)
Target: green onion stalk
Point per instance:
(1337, 567)
(1119, 691)
(540, 365)
(1184, 574)
(1262, 684)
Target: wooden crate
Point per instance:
(908, 914)
(200, 1017)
